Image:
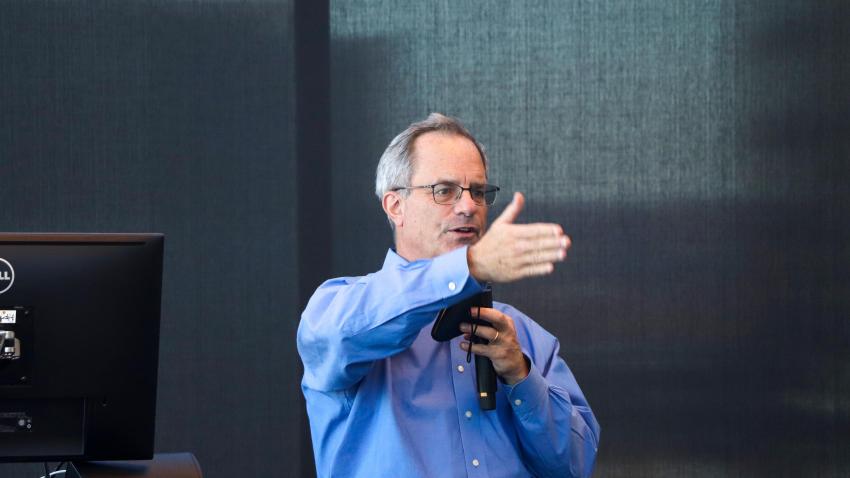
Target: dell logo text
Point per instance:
(7, 275)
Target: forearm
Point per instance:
(557, 430)
(348, 325)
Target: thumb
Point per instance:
(511, 212)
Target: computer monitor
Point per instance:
(79, 329)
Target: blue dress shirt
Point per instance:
(386, 400)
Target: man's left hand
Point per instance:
(503, 349)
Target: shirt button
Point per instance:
(475, 462)
(468, 414)
(460, 368)
(452, 286)
(517, 402)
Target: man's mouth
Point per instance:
(464, 231)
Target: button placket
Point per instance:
(469, 415)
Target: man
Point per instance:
(385, 399)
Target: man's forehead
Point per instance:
(434, 141)
(460, 180)
(447, 157)
(457, 175)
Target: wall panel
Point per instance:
(176, 117)
(696, 154)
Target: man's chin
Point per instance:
(458, 242)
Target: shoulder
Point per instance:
(342, 282)
(331, 287)
(345, 281)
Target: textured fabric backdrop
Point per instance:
(697, 154)
(173, 117)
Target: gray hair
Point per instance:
(396, 165)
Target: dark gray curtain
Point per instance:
(175, 117)
(697, 154)
(695, 151)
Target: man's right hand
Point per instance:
(509, 252)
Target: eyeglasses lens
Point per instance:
(450, 193)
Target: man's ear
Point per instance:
(393, 205)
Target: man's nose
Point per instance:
(465, 204)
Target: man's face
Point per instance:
(428, 229)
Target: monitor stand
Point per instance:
(163, 465)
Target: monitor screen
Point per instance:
(79, 329)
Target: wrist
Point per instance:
(520, 375)
(474, 267)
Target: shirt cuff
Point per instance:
(452, 277)
(529, 394)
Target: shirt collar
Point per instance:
(394, 260)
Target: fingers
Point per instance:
(479, 349)
(511, 212)
(541, 243)
(500, 352)
(493, 349)
(538, 230)
(542, 256)
(497, 319)
(541, 251)
(535, 270)
(501, 325)
(503, 348)
(491, 335)
(488, 333)
(548, 243)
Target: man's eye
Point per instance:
(477, 193)
(443, 190)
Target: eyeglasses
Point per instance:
(449, 193)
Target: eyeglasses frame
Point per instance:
(457, 198)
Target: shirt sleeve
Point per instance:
(557, 430)
(350, 323)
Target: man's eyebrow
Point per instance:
(453, 181)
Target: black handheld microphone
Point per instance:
(446, 327)
(485, 374)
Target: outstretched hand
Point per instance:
(508, 252)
